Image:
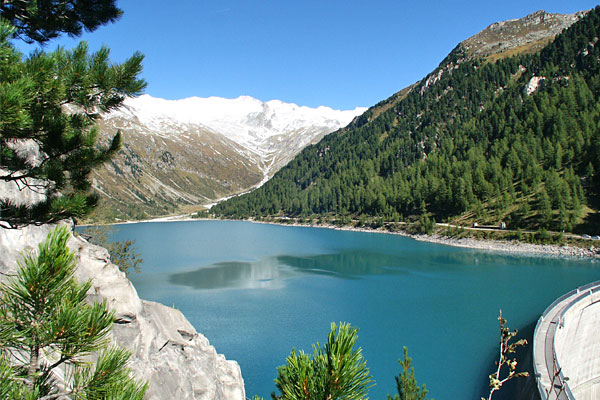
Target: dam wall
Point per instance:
(566, 342)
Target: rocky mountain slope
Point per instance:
(499, 40)
(525, 35)
(197, 150)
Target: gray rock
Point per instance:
(529, 34)
(178, 362)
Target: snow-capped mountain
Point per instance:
(197, 150)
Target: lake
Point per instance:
(258, 290)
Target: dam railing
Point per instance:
(556, 376)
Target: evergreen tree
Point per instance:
(48, 330)
(336, 371)
(42, 20)
(50, 101)
(406, 384)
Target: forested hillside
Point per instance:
(514, 140)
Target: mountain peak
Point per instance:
(524, 35)
(197, 150)
(245, 120)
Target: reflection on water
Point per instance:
(345, 264)
(270, 272)
(262, 274)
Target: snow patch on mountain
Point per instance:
(180, 153)
(245, 120)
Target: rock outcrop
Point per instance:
(178, 362)
(526, 35)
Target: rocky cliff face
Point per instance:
(167, 351)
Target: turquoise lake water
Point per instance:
(257, 290)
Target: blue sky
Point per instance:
(341, 54)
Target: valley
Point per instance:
(472, 191)
(179, 155)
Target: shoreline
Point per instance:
(170, 218)
(509, 247)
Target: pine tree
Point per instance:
(42, 20)
(48, 330)
(336, 371)
(406, 384)
(49, 105)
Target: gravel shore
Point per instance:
(511, 247)
(514, 247)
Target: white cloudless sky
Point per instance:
(337, 53)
